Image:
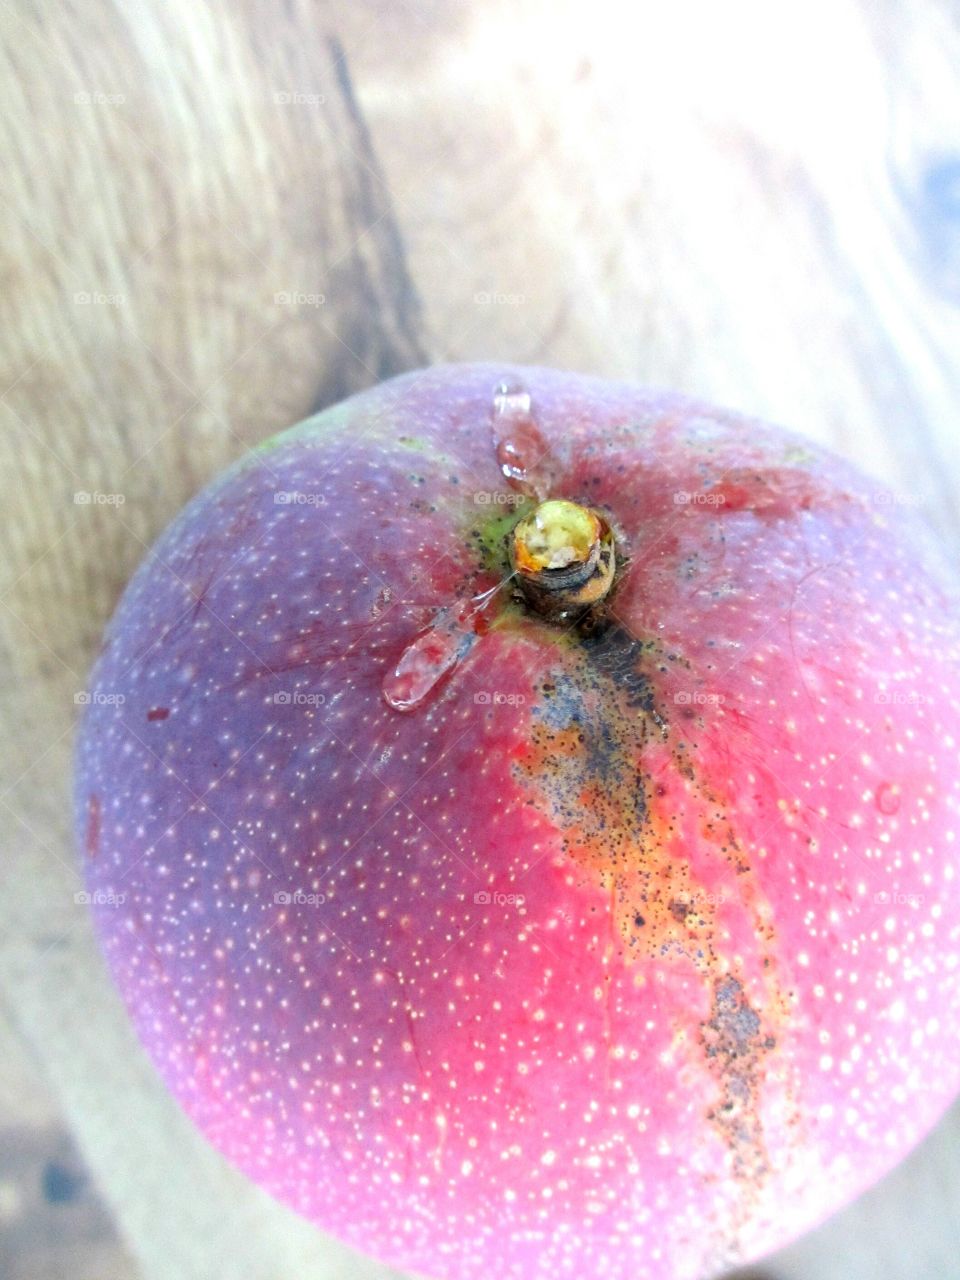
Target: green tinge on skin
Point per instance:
(492, 535)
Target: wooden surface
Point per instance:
(758, 203)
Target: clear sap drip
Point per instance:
(521, 450)
(435, 652)
(524, 461)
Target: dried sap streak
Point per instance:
(620, 784)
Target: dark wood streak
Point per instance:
(379, 317)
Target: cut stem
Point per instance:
(563, 555)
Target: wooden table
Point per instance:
(218, 216)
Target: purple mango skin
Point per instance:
(726, 1000)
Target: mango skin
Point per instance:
(630, 953)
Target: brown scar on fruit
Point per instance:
(593, 723)
(383, 601)
(610, 771)
(735, 1045)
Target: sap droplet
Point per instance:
(887, 798)
(435, 652)
(423, 664)
(510, 400)
(522, 453)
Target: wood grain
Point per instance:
(218, 216)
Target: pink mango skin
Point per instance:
(728, 1000)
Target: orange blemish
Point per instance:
(668, 860)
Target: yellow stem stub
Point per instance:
(554, 536)
(563, 554)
